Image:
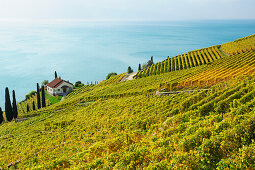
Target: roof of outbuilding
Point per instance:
(56, 82)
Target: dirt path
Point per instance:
(128, 77)
(63, 98)
(225, 54)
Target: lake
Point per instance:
(30, 52)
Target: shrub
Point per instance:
(45, 82)
(110, 75)
(78, 84)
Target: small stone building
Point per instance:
(59, 87)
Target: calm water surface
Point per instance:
(86, 51)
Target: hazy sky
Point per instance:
(127, 9)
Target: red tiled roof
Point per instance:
(56, 82)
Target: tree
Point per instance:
(129, 70)
(110, 75)
(28, 108)
(33, 104)
(144, 66)
(38, 97)
(1, 116)
(78, 84)
(147, 64)
(45, 82)
(56, 75)
(14, 105)
(139, 67)
(8, 106)
(150, 62)
(43, 97)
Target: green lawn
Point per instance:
(51, 98)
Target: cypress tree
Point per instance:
(1, 116)
(8, 106)
(139, 67)
(43, 97)
(129, 70)
(27, 108)
(14, 105)
(33, 105)
(152, 60)
(56, 75)
(38, 97)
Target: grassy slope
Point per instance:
(52, 99)
(128, 126)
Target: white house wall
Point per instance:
(59, 90)
(50, 90)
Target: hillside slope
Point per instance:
(125, 125)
